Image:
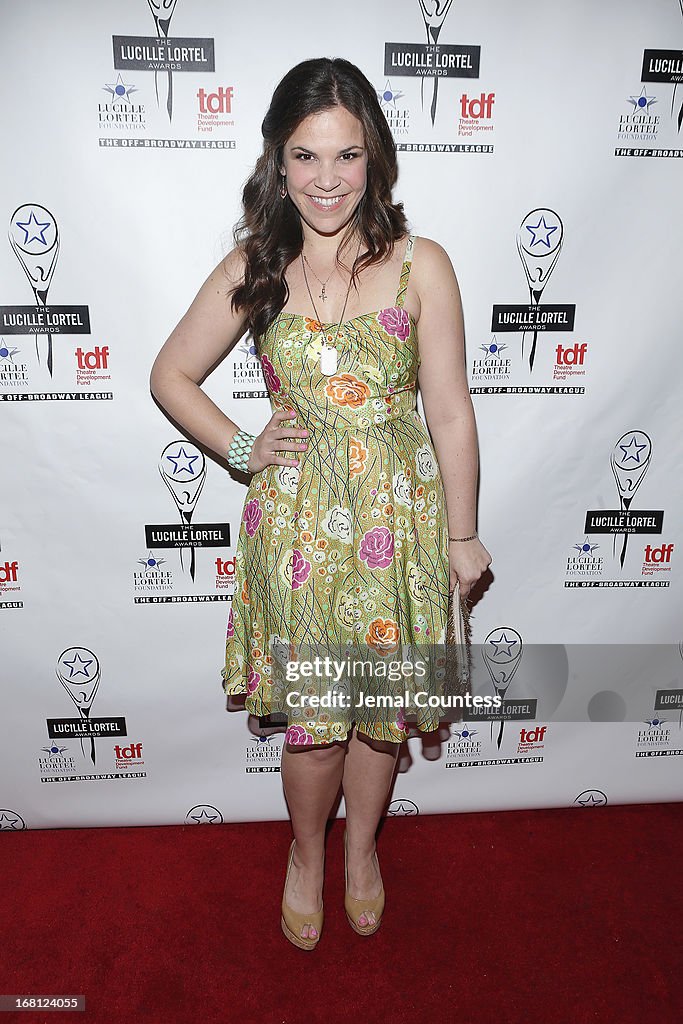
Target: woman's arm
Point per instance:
(207, 331)
(443, 383)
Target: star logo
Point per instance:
(388, 97)
(503, 645)
(34, 229)
(247, 349)
(151, 563)
(9, 822)
(642, 103)
(203, 814)
(402, 807)
(541, 232)
(586, 549)
(591, 798)
(78, 666)
(119, 91)
(182, 462)
(494, 349)
(632, 450)
(6, 352)
(465, 733)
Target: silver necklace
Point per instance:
(328, 353)
(323, 283)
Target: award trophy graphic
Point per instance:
(434, 13)
(34, 238)
(78, 670)
(162, 11)
(539, 241)
(183, 469)
(629, 459)
(502, 657)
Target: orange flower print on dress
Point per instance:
(312, 325)
(347, 389)
(383, 635)
(358, 457)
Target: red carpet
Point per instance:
(544, 916)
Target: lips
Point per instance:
(327, 202)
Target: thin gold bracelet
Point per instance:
(471, 537)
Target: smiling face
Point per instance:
(325, 161)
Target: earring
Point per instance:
(283, 188)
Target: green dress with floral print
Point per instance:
(350, 547)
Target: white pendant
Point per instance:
(328, 360)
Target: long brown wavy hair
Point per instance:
(269, 233)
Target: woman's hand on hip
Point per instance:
(276, 436)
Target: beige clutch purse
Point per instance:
(458, 652)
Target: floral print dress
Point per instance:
(350, 547)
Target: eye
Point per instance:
(352, 155)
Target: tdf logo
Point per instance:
(219, 102)
(478, 107)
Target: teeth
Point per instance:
(327, 202)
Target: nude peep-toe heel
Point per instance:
(354, 908)
(292, 922)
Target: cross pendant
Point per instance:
(322, 294)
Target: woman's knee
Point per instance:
(382, 746)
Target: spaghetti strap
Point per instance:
(405, 272)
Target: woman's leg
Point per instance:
(311, 777)
(368, 772)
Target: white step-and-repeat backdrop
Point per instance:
(541, 145)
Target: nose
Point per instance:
(328, 178)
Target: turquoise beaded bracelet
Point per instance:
(240, 449)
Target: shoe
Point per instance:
(292, 922)
(354, 908)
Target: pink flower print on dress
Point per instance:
(395, 322)
(252, 516)
(298, 736)
(301, 569)
(400, 720)
(231, 625)
(272, 380)
(377, 548)
(253, 679)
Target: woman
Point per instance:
(355, 526)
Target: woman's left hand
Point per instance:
(468, 560)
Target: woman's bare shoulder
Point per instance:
(431, 264)
(429, 253)
(232, 266)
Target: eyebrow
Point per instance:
(310, 151)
